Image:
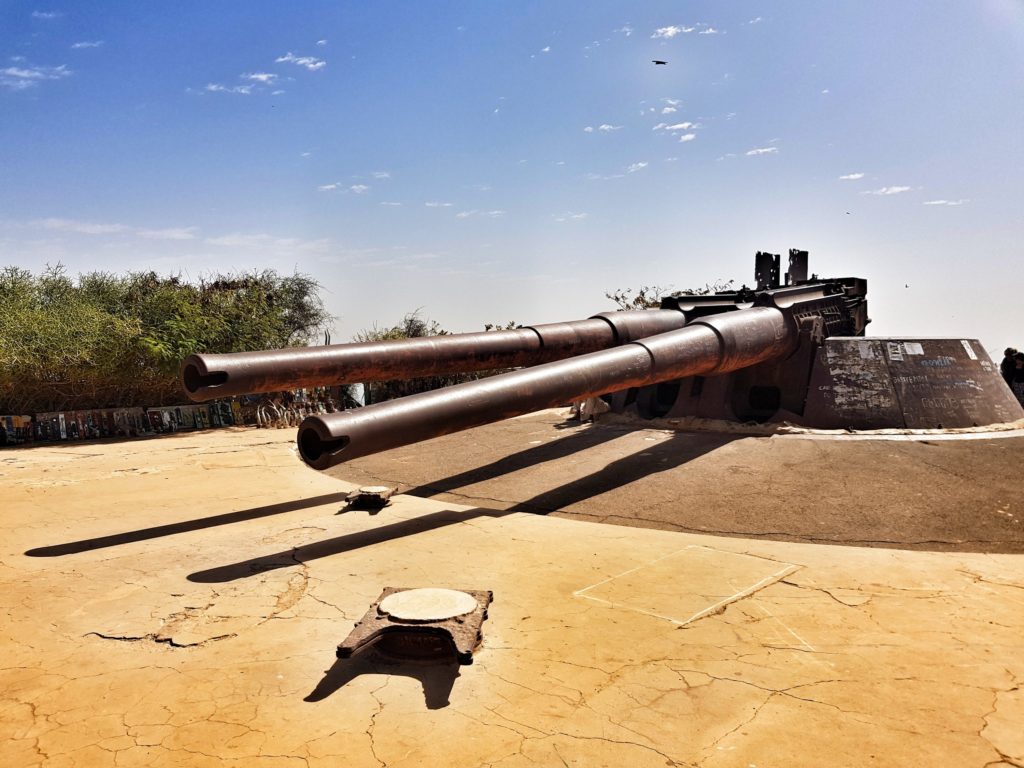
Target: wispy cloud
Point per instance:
(684, 126)
(437, 204)
(688, 137)
(755, 20)
(634, 167)
(570, 216)
(172, 233)
(86, 44)
(894, 190)
(359, 189)
(267, 78)
(312, 63)
(669, 110)
(80, 227)
(667, 33)
(244, 90)
(762, 151)
(488, 214)
(21, 78)
(625, 29)
(603, 128)
(708, 31)
(46, 15)
(321, 43)
(945, 202)
(851, 176)
(381, 174)
(391, 204)
(546, 49)
(329, 187)
(266, 242)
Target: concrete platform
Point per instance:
(177, 601)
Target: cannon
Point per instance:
(208, 377)
(788, 349)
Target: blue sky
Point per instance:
(496, 161)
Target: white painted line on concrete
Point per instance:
(767, 581)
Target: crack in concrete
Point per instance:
(157, 638)
(373, 721)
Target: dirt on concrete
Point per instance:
(943, 492)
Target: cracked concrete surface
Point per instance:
(188, 616)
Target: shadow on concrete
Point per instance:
(437, 678)
(528, 458)
(128, 537)
(679, 449)
(339, 544)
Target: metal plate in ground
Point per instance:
(427, 604)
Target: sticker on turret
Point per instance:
(912, 348)
(969, 349)
(895, 351)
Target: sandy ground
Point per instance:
(177, 601)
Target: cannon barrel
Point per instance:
(207, 377)
(710, 345)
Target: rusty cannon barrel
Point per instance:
(207, 377)
(709, 345)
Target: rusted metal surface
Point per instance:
(710, 345)
(419, 639)
(917, 383)
(206, 377)
(370, 497)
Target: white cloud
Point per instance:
(685, 126)
(20, 78)
(667, 33)
(245, 90)
(668, 110)
(46, 15)
(436, 204)
(756, 20)
(80, 227)
(945, 202)
(851, 176)
(265, 242)
(309, 62)
(673, 102)
(328, 187)
(386, 202)
(172, 233)
(886, 191)
(546, 49)
(489, 214)
(267, 78)
(625, 29)
(762, 151)
(321, 43)
(634, 167)
(708, 31)
(688, 137)
(606, 128)
(87, 44)
(359, 189)
(570, 216)
(276, 93)
(381, 174)
(306, 154)
(825, 90)
(589, 129)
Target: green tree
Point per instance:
(108, 340)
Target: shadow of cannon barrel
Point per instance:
(711, 345)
